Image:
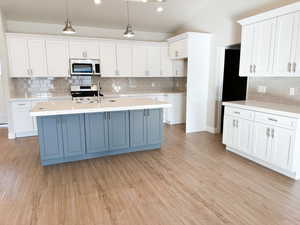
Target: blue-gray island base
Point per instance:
(68, 138)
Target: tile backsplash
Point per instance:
(33, 86)
(277, 89)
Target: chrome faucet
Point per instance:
(99, 92)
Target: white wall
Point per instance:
(4, 72)
(44, 28)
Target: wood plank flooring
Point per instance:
(190, 181)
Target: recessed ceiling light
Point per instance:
(159, 9)
(97, 2)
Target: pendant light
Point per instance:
(128, 32)
(68, 29)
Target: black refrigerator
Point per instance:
(234, 86)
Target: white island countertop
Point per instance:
(267, 107)
(107, 105)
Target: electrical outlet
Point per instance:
(261, 89)
(292, 91)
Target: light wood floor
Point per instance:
(191, 180)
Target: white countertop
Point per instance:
(52, 108)
(267, 107)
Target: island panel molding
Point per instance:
(68, 138)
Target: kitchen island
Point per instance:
(70, 131)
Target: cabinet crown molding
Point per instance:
(271, 14)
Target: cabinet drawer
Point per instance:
(21, 105)
(275, 120)
(241, 113)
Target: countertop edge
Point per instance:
(95, 110)
(264, 109)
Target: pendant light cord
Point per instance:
(128, 19)
(67, 9)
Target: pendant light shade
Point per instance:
(68, 29)
(129, 31)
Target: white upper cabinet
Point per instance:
(247, 50)
(18, 57)
(257, 49)
(179, 68)
(263, 49)
(139, 58)
(153, 61)
(295, 64)
(283, 44)
(57, 54)
(108, 59)
(37, 57)
(166, 62)
(178, 49)
(124, 59)
(84, 49)
(271, 43)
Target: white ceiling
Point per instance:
(112, 13)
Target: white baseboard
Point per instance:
(212, 130)
(11, 136)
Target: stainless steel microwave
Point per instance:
(85, 67)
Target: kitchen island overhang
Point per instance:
(70, 131)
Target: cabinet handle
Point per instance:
(273, 133)
(28, 71)
(294, 67)
(237, 113)
(237, 124)
(176, 53)
(233, 123)
(251, 68)
(289, 67)
(271, 119)
(268, 132)
(144, 112)
(254, 68)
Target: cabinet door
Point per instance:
(118, 128)
(296, 47)
(139, 61)
(178, 49)
(153, 61)
(50, 137)
(57, 58)
(73, 135)
(138, 125)
(247, 45)
(177, 113)
(263, 50)
(166, 63)
(154, 126)
(179, 68)
(108, 59)
(282, 147)
(244, 135)
(21, 118)
(18, 57)
(37, 57)
(262, 141)
(96, 132)
(283, 44)
(124, 59)
(229, 131)
(84, 49)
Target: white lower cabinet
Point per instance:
(265, 138)
(21, 123)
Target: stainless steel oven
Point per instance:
(85, 67)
